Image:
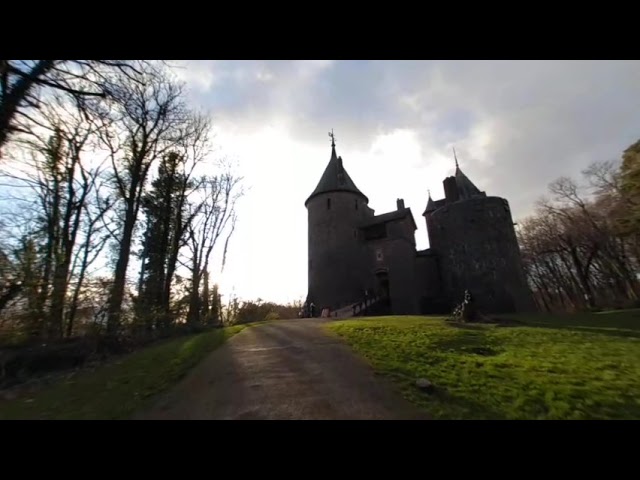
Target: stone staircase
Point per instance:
(370, 307)
(377, 309)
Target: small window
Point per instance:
(328, 204)
(379, 255)
(355, 234)
(356, 204)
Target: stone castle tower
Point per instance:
(336, 260)
(474, 239)
(354, 253)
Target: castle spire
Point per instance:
(335, 177)
(466, 188)
(333, 138)
(333, 145)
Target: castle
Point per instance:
(355, 254)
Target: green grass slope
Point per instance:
(117, 390)
(550, 367)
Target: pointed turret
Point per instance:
(431, 205)
(466, 188)
(335, 178)
(338, 261)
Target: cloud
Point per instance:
(516, 126)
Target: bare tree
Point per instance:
(167, 220)
(62, 181)
(147, 121)
(194, 147)
(94, 239)
(11, 281)
(215, 216)
(575, 253)
(26, 86)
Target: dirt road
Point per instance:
(288, 369)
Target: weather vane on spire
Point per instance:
(454, 156)
(333, 138)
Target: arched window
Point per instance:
(356, 203)
(328, 204)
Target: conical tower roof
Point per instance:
(466, 188)
(335, 178)
(431, 205)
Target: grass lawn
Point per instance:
(584, 366)
(118, 390)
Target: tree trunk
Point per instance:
(73, 306)
(194, 296)
(582, 277)
(172, 260)
(117, 290)
(205, 298)
(193, 316)
(561, 286)
(58, 296)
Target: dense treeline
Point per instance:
(581, 249)
(113, 210)
(236, 311)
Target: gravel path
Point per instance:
(288, 369)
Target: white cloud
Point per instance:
(516, 126)
(200, 75)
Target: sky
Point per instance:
(516, 126)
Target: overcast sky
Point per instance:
(516, 126)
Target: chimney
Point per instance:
(451, 189)
(400, 203)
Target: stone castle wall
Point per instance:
(477, 247)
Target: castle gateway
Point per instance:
(355, 254)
